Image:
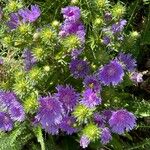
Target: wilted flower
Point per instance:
(136, 77)
(79, 68)
(66, 125)
(29, 59)
(105, 135)
(107, 16)
(71, 13)
(68, 96)
(128, 62)
(6, 123)
(119, 26)
(30, 15)
(122, 121)
(92, 82)
(111, 73)
(84, 141)
(90, 98)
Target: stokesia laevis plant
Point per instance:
(66, 78)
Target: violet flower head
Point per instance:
(119, 26)
(128, 62)
(50, 112)
(122, 121)
(6, 123)
(14, 21)
(71, 13)
(68, 96)
(92, 82)
(99, 120)
(111, 73)
(30, 15)
(79, 68)
(106, 40)
(29, 59)
(106, 135)
(7, 99)
(52, 129)
(16, 112)
(90, 99)
(66, 125)
(107, 114)
(84, 141)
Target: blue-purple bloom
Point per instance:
(50, 112)
(29, 59)
(119, 26)
(16, 112)
(79, 68)
(111, 73)
(122, 121)
(99, 120)
(90, 98)
(106, 135)
(66, 125)
(30, 15)
(1, 61)
(14, 21)
(92, 82)
(6, 123)
(52, 129)
(107, 114)
(128, 62)
(68, 96)
(84, 141)
(71, 13)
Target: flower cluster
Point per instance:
(10, 110)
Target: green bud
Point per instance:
(31, 103)
(71, 42)
(36, 36)
(7, 41)
(82, 113)
(47, 68)
(74, 2)
(101, 3)
(35, 74)
(38, 53)
(92, 131)
(118, 10)
(13, 6)
(134, 35)
(24, 29)
(55, 23)
(98, 22)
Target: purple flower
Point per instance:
(1, 61)
(119, 26)
(30, 15)
(16, 112)
(90, 99)
(14, 21)
(66, 125)
(6, 99)
(106, 135)
(50, 112)
(136, 77)
(75, 53)
(106, 40)
(68, 96)
(111, 73)
(92, 82)
(52, 129)
(121, 121)
(71, 13)
(128, 62)
(99, 119)
(73, 28)
(29, 59)
(6, 123)
(107, 114)
(79, 68)
(84, 141)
